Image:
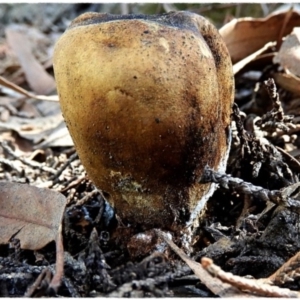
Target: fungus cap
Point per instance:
(147, 101)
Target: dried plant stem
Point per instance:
(55, 176)
(9, 163)
(25, 161)
(42, 282)
(274, 118)
(59, 264)
(87, 197)
(22, 91)
(251, 285)
(271, 89)
(214, 284)
(226, 181)
(287, 272)
(242, 133)
(72, 183)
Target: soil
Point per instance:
(241, 231)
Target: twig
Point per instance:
(287, 272)
(274, 118)
(59, 263)
(271, 89)
(41, 283)
(73, 182)
(23, 92)
(242, 133)
(71, 195)
(251, 285)
(214, 284)
(226, 181)
(260, 153)
(55, 176)
(87, 197)
(25, 161)
(9, 163)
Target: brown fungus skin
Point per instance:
(147, 101)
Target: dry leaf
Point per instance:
(289, 82)
(38, 79)
(254, 56)
(60, 137)
(35, 130)
(30, 214)
(247, 35)
(42, 131)
(289, 54)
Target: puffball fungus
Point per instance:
(147, 101)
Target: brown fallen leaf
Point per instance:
(245, 36)
(30, 214)
(45, 131)
(58, 137)
(254, 56)
(288, 81)
(289, 54)
(38, 79)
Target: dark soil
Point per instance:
(242, 233)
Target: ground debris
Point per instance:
(251, 225)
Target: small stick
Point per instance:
(214, 284)
(25, 161)
(44, 276)
(23, 92)
(251, 285)
(9, 163)
(73, 157)
(287, 272)
(59, 263)
(237, 184)
(87, 197)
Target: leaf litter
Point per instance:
(250, 227)
(31, 214)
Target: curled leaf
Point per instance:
(289, 54)
(39, 80)
(288, 81)
(254, 56)
(247, 35)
